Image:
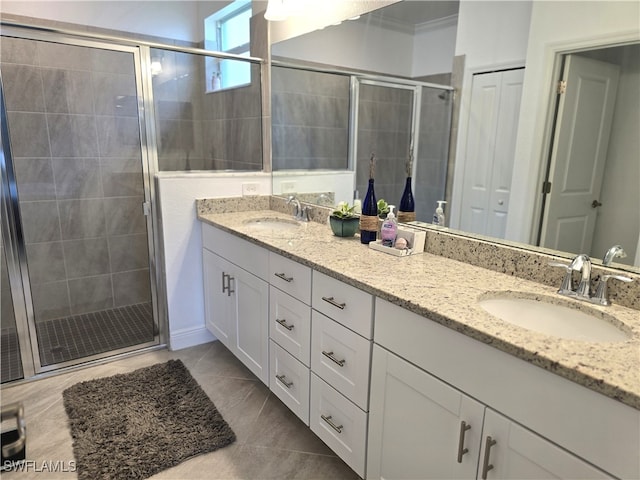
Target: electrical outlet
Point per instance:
(252, 188)
(288, 187)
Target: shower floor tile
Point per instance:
(69, 338)
(10, 362)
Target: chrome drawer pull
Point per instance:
(334, 303)
(487, 451)
(337, 428)
(461, 448)
(283, 381)
(283, 322)
(226, 284)
(330, 356)
(284, 277)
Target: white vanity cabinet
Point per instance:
(237, 297)
(290, 333)
(520, 453)
(341, 340)
(420, 427)
(427, 379)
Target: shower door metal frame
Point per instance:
(415, 87)
(14, 248)
(142, 60)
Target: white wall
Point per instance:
(556, 27)
(376, 48)
(173, 19)
(354, 45)
(183, 246)
(491, 35)
(434, 47)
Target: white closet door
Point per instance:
(490, 148)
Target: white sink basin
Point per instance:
(554, 320)
(272, 224)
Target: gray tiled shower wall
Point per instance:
(197, 130)
(310, 119)
(76, 151)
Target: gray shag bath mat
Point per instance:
(134, 425)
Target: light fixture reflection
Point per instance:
(156, 66)
(276, 11)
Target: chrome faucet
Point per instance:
(296, 205)
(299, 212)
(613, 252)
(582, 263)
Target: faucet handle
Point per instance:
(566, 287)
(602, 293)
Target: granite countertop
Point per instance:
(447, 291)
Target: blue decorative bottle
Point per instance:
(369, 215)
(407, 210)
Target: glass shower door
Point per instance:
(79, 163)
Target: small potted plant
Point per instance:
(344, 221)
(383, 208)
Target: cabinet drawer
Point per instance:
(244, 254)
(341, 358)
(338, 423)
(290, 277)
(347, 305)
(289, 381)
(290, 324)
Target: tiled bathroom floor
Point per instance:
(272, 443)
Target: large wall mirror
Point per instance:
(511, 168)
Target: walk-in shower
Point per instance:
(87, 123)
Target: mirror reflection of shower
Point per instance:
(326, 121)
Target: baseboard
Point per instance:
(189, 337)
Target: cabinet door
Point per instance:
(218, 305)
(415, 424)
(251, 303)
(520, 453)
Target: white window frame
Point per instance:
(214, 67)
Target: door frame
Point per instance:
(554, 55)
(149, 159)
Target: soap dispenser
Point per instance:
(389, 228)
(438, 215)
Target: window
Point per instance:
(227, 31)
